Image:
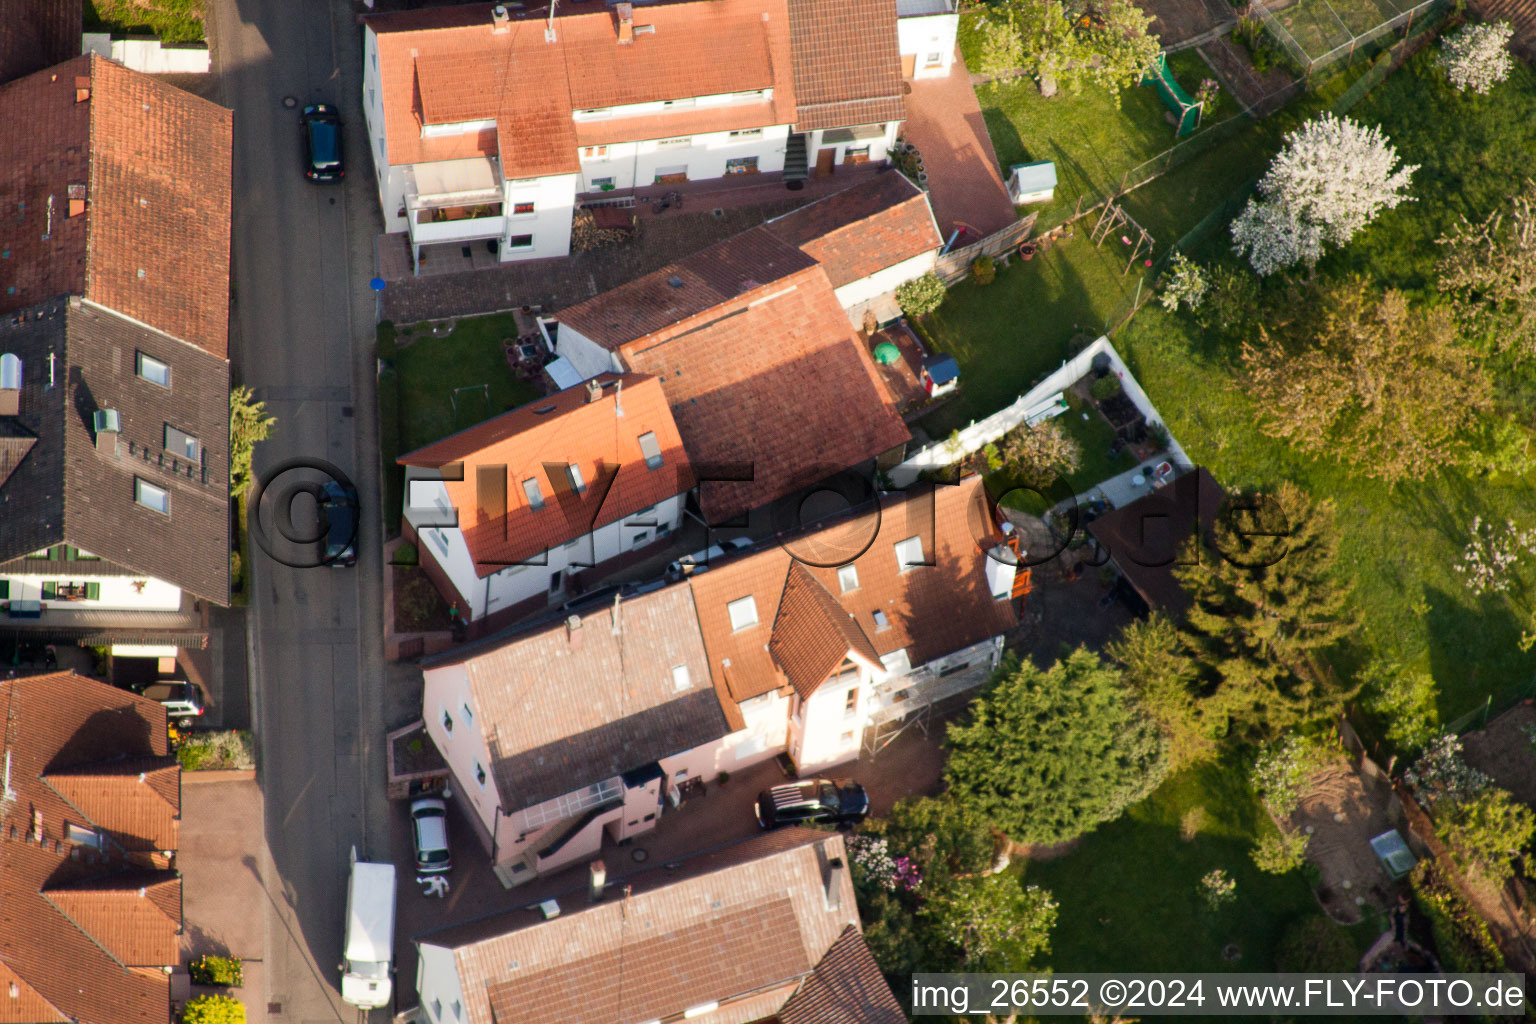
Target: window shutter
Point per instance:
(93, 591)
(5, 589)
(50, 591)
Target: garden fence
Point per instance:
(954, 266)
(1328, 36)
(1389, 60)
(1494, 705)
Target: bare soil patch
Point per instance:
(1342, 816)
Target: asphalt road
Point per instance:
(303, 339)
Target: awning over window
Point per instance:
(863, 132)
(452, 177)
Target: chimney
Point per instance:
(108, 425)
(626, 16)
(501, 21)
(550, 909)
(573, 632)
(834, 892)
(597, 878)
(594, 390)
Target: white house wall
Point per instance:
(827, 734)
(117, 592)
(554, 200)
(635, 164)
(922, 37)
(883, 282)
(589, 358)
(427, 502)
(879, 146)
(446, 689)
(390, 181)
(437, 985)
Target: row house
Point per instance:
(590, 727)
(89, 833)
(507, 514)
(493, 125)
(765, 929)
(114, 368)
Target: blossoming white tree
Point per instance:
(1477, 57)
(1331, 179)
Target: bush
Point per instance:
(1218, 889)
(214, 1010)
(1462, 938)
(921, 295)
(1106, 386)
(983, 270)
(1281, 852)
(192, 756)
(407, 554)
(1315, 945)
(216, 970)
(1490, 830)
(1280, 772)
(216, 751)
(1402, 699)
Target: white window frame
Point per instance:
(190, 448)
(676, 142)
(532, 210)
(596, 184)
(904, 553)
(143, 361)
(513, 243)
(144, 488)
(534, 493)
(747, 133)
(681, 678)
(847, 578)
(739, 611)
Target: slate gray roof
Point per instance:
(563, 708)
(64, 491)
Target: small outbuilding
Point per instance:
(1032, 183)
(941, 374)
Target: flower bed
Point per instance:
(228, 750)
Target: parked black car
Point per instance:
(339, 512)
(843, 802)
(321, 128)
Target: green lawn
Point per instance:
(1397, 545)
(1129, 892)
(1009, 334)
(1093, 435)
(171, 21)
(434, 386)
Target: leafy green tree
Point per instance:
(1381, 386)
(1262, 603)
(921, 295)
(993, 922)
(213, 1010)
(248, 424)
(1048, 755)
(1038, 455)
(1403, 701)
(1061, 45)
(1166, 680)
(1490, 830)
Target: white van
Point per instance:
(370, 939)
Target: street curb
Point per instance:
(245, 775)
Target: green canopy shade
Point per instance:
(886, 353)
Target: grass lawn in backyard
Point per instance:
(171, 21)
(1094, 436)
(426, 403)
(1129, 891)
(1398, 546)
(1008, 334)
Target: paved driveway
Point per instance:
(222, 845)
(302, 337)
(965, 186)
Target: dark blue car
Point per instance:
(321, 127)
(339, 512)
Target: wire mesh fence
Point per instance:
(1316, 34)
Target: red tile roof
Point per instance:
(759, 363)
(864, 229)
(537, 441)
(846, 988)
(68, 965)
(152, 165)
(930, 610)
(448, 65)
(1145, 537)
(813, 634)
(847, 63)
(136, 799)
(736, 926)
(37, 34)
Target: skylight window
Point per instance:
(535, 495)
(847, 578)
(151, 497)
(743, 613)
(651, 449)
(152, 370)
(909, 553)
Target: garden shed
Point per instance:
(1032, 183)
(941, 374)
(1144, 538)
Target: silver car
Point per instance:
(429, 828)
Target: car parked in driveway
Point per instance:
(321, 128)
(180, 698)
(429, 829)
(699, 560)
(808, 801)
